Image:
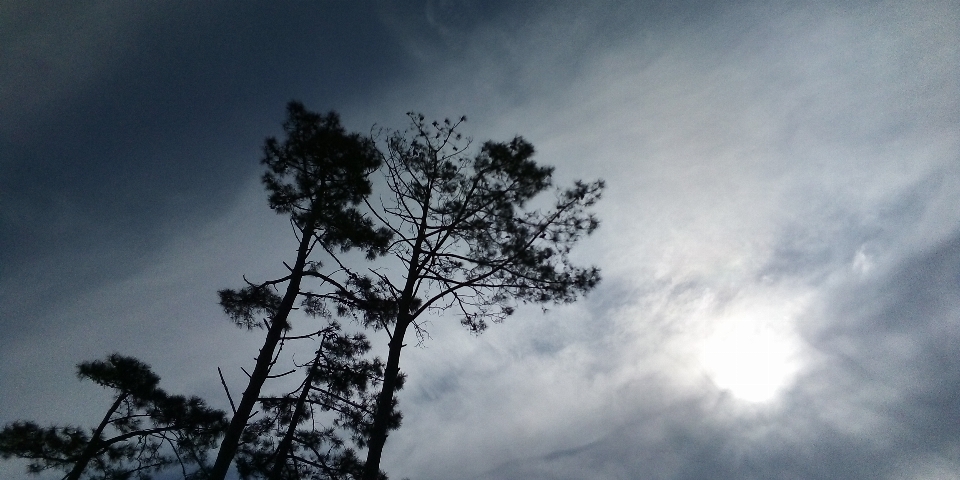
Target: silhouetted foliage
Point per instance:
(468, 241)
(144, 431)
(474, 237)
(288, 442)
(318, 176)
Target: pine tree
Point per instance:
(290, 441)
(145, 430)
(469, 241)
(317, 177)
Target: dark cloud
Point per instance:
(154, 126)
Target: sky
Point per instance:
(780, 236)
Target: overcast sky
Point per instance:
(780, 238)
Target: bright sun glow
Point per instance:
(753, 356)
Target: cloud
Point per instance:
(874, 402)
(759, 162)
(781, 176)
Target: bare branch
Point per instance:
(227, 390)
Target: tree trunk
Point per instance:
(378, 432)
(94, 444)
(283, 449)
(381, 420)
(231, 439)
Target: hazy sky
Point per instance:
(780, 238)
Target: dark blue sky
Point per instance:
(165, 129)
(779, 240)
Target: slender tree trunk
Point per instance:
(378, 432)
(381, 420)
(283, 450)
(94, 444)
(231, 439)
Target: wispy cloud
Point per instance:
(759, 161)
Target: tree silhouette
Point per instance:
(145, 430)
(317, 176)
(472, 236)
(286, 443)
(469, 242)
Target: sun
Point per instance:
(752, 355)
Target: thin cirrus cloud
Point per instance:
(759, 163)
